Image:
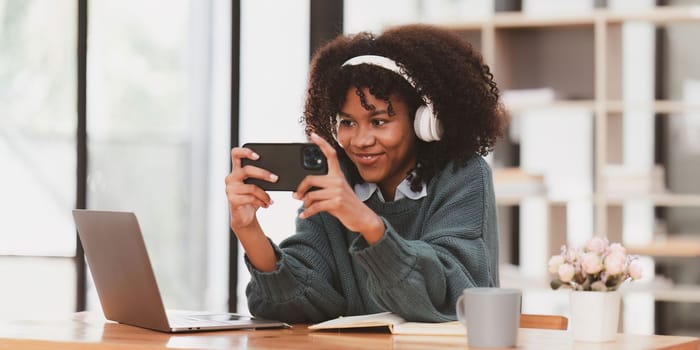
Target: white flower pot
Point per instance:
(594, 315)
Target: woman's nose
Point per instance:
(363, 138)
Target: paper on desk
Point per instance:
(394, 323)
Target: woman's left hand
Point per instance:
(335, 196)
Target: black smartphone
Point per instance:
(290, 161)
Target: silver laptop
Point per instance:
(117, 256)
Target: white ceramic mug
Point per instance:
(491, 315)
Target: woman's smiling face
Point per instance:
(381, 146)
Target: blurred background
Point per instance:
(134, 105)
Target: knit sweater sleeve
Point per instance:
(421, 279)
(301, 288)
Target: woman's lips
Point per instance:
(366, 158)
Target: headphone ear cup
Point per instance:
(418, 122)
(436, 125)
(427, 127)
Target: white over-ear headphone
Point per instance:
(428, 128)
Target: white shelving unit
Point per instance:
(580, 57)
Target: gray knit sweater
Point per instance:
(432, 249)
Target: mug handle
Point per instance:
(460, 310)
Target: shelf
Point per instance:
(678, 294)
(662, 289)
(523, 20)
(659, 200)
(519, 107)
(463, 26)
(674, 247)
(658, 15)
(512, 185)
(659, 106)
(520, 20)
(664, 107)
(510, 200)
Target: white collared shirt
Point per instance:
(403, 190)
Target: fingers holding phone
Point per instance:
(332, 178)
(245, 199)
(335, 196)
(241, 158)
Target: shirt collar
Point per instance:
(365, 190)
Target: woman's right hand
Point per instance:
(244, 200)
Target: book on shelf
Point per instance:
(621, 180)
(394, 323)
(521, 98)
(517, 182)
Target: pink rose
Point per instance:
(597, 245)
(591, 264)
(635, 270)
(566, 272)
(572, 255)
(554, 263)
(617, 247)
(615, 263)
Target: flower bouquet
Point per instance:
(599, 266)
(594, 273)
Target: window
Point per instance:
(272, 93)
(37, 153)
(158, 104)
(156, 143)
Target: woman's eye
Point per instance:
(378, 122)
(345, 122)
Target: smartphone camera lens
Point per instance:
(312, 157)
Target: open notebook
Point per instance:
(394, 323)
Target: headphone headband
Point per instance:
(380, 61)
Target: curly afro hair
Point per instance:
(446, 70)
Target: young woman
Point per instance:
(405, 219)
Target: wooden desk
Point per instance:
(85, 331)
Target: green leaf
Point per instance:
(555, 284)
(612, 282)
(586, 285)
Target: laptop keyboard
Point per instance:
(193, 320)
